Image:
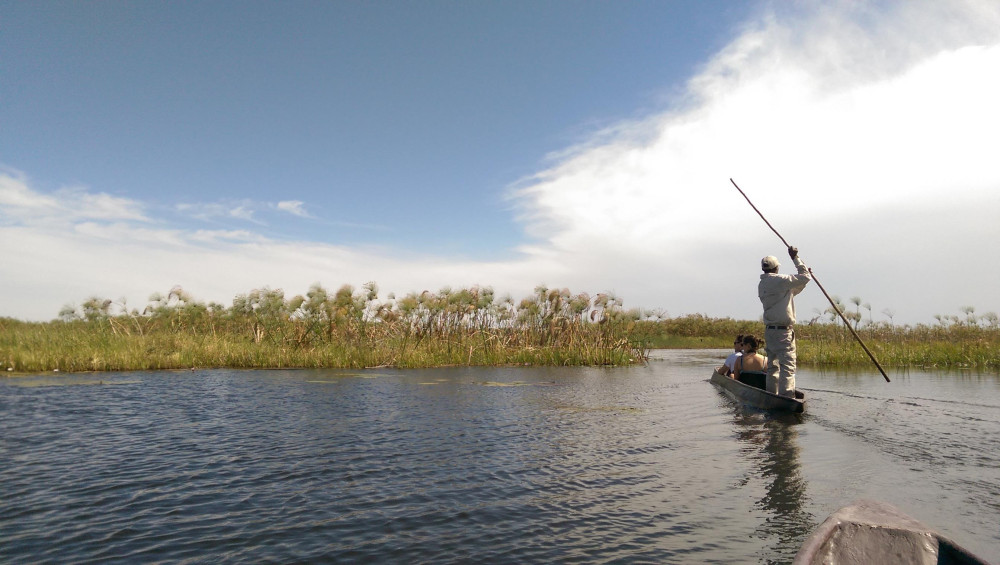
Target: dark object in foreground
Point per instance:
(757, 396)
(869, 531)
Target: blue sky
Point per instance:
(226, 146)
(386, 119)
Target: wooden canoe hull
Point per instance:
(758, 398)
(870, 531)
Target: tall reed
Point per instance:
(347, 328)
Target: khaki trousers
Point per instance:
(780, 348)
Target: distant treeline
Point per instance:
(353, 328)
(348, 329)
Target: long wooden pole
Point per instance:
(832, 303)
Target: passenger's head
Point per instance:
(738, 344)
(751, 342)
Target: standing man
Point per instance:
(775, 292)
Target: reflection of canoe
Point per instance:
(758, 397)
(876, 532)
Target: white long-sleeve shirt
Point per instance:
(776, 291)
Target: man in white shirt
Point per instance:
(776, 294)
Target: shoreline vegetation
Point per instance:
(345, 329)
(468, 327)
(953, 343)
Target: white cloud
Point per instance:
(294, 207)
(18, 203)
(119, 233)
(820, 121)
(209, 236)
(16, 197)
(53, 265)
(242, 213)
(865, 134)
(245, 210)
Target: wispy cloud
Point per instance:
(212, 211)
(242, 213)
(132, 259)
(20, 204)
(294, 207)
(245, 210)
(214, 236)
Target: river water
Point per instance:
(492, 465)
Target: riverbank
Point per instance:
(27, 347)
(32, 348)
(470, 327)
(952, 345)
(346, 329)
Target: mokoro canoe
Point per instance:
(869, 532)
(758, 397)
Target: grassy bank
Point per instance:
(949, 344)
(355, 328)
(345, 329)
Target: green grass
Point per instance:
(35, 347)
(349, 329)
(345, 330)
(954, 345)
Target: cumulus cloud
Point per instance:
(848, 113)
(786, 109)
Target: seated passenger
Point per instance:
(727, 366)
(751, 362)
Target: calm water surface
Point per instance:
(512, 465)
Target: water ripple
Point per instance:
(598, 465)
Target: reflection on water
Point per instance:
(771, 442)
(785, 496)
(525, 465)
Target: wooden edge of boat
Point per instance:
(758, 398)
(870, 531)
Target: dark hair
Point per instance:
(752, 341)
(740, 338)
